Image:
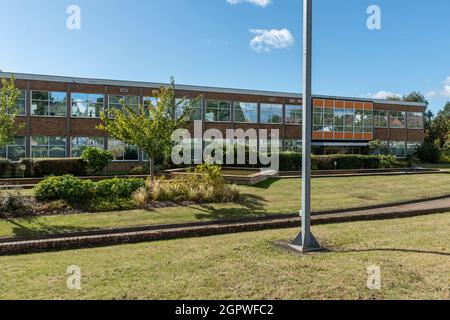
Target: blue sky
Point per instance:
(209, 42)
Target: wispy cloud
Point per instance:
(259, 3)
(383, 94)
(265, 40)
(443, 91)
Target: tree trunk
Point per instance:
(152, 170)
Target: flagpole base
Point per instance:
(311, 246)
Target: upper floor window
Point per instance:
(397, 119)
(245, 112)
(52, 104)
(20, 104)
(196, 108)
(117, 102)
(294, 114)
(218, 111)
(415, 120)
(87, 105)
(380, 118)
(271, 113)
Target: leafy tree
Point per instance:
(8, 111)
(439, 131)
(445, 112)
(150, 129)
(377, 147)
(415, 96)
(96, 159)
(393, 98)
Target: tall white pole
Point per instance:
(305, 241)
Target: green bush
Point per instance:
(117, 188)
(54, 166)
(85, 192)
(67, 188)
(96, 159)
(12, 203)
(429, 152)
(5, 168)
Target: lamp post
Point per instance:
(305, 241)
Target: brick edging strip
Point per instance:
(216, 222)
(66, 243)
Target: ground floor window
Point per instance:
(398, 148)
(411, 147)
(80, 143)
(15, 150)
(48, 147)
(122, 151)
(293, 145)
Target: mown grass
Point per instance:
(270, 197)
(413, 255)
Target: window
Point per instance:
(349, 120)
(328, 120)
(411, 148)
(87, 105)
(150, 102)
(380, 118)
(339, 120)
(218, 111)
(397, 119)
(196, 108)
(359, 121)
(415, 120)
(368, 121)
(398, 148)
(271, 113)
(48, 147)
(318, 114)
(80, 143)
(116, 102)
(293, 145)
(122, 151)
(294, 114)
(52, 104)
(20, 104)
(246, 112)
(15, 150)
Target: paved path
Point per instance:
(154, 233)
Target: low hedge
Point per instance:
(38, 168)
(85, 192)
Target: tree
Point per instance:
(8, 111)
(393, 98)
(150, 129)
(440, 131)
(445, 112)
(415, 96)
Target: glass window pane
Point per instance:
(246, 112)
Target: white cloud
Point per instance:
(265, 40)
(444, 91)
(259, 3)
(383, 94)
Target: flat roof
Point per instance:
(125, 83)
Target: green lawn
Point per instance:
(270, 197)
(413, 254)
(436, 165)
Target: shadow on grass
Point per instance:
(266, 184)
(251, 206)
(447, 254)
(37, 228)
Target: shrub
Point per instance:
(206, 184)
(117, 188)
(67, 188)
(54, 166)
(96, 159)
(139, 171)
(12, 203)
(5, 168)
(428, 152)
